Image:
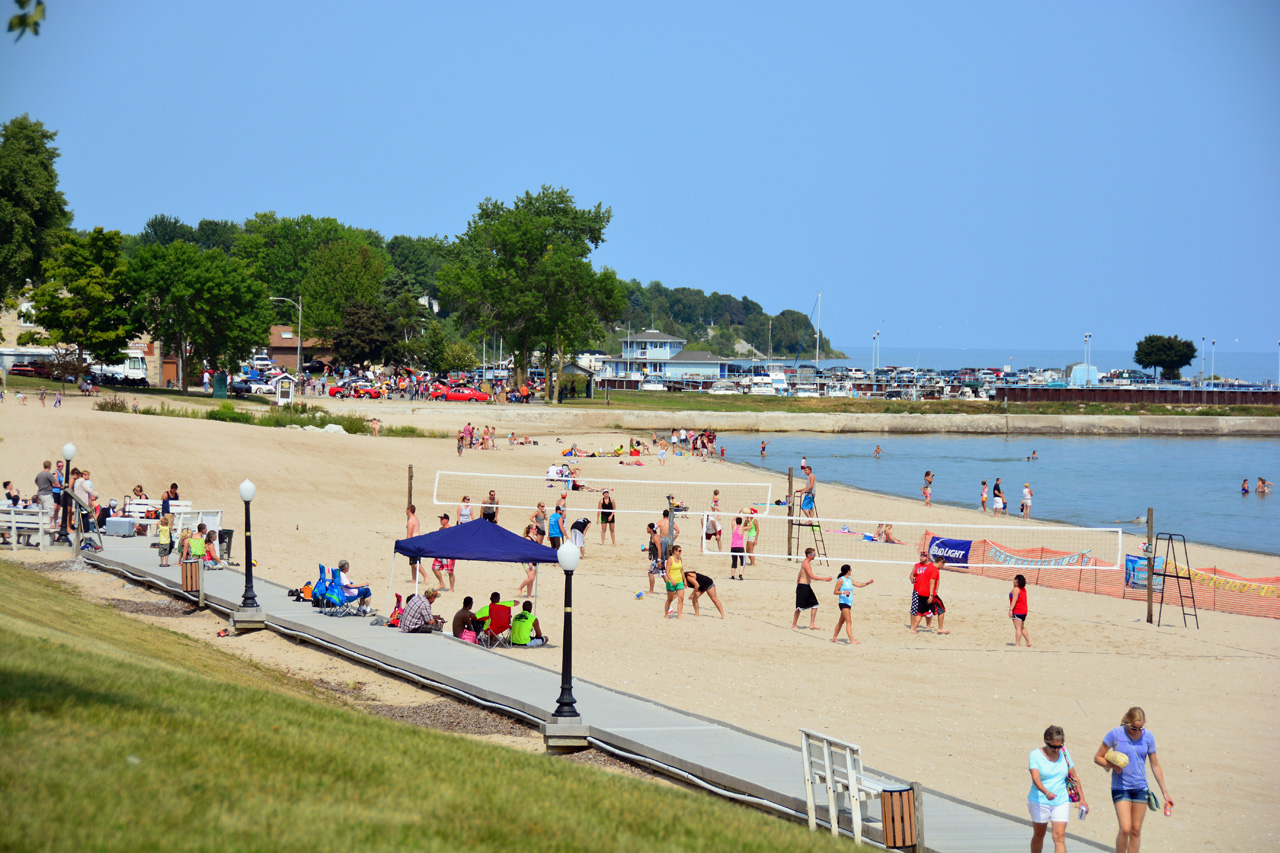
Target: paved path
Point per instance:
(715, 755)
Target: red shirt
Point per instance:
(1020, 606)
(922, 577)
(931, 579)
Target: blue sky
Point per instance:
(951, 173)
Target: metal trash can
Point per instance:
(225, 537)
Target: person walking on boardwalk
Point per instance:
(1125, 751)
(1018, 611)
(1048, 801)
(844, 594)
(805, 599)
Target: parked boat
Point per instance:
(761, 386)
(722, 387)
(652, 385)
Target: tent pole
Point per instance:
(390, 580)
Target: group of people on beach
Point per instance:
(999, 504)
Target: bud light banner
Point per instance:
(954, 551)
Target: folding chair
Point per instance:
(497, 632)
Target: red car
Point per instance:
(364, 391)
(465, 395)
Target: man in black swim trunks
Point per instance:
(489, 508)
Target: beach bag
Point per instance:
(306, 591)
(1073, 781)
(1153, 802)
(469, 636)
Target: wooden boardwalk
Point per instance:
(714, 755)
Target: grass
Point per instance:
(119, 735)
(685, 401)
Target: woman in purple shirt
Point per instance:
(1129, 783)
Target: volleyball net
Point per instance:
(630, 497)
(977, 549)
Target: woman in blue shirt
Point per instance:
(844, 592)
(1048, 801)
(1129, 783)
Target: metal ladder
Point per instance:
(798, 523)
(1170, 560)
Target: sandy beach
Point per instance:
(958, 713)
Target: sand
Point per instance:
(958, 713)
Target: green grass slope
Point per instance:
(118, 735)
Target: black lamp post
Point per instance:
(568, 555)
(247, 491)
(64, 497)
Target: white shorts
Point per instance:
(1049, 812)
(998, 503)
(575, 536)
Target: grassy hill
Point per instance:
(118, 735)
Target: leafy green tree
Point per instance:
(417, 260)
(457, 355)
(1170, 354)
(83, 301)
(217, 234)
(366, 333)
(33, 212)
(523, 271)
(204, 307)
(340, 273)
(280, 252)
(162, 229)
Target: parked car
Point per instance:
(364, 391)
(22, 369)
(464, 394)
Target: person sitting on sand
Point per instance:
(525, 630)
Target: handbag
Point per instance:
(1153, 802)
(1073, 781)
(468, 636)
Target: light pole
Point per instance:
(297, 305)
(1088, 337)
(1202, 377)
(250, 600)
(568, 556)
(1213, 359)
(68, 453)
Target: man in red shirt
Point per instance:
(935, 604)
(920, 601)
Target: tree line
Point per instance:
(519, 274)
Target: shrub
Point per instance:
(114, 403)
(403, 432)
(227, 412)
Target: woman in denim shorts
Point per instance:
(1129, 783)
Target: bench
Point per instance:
(837, 766)
(17, 522)
(138, 510)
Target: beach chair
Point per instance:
(497, 633)
(340, 598)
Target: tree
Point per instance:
(27, 22)
(367, 331)
(417, 260)
(162, 229)
(280, 252)
(205, 307)
(340, 273)
(523, 271)
(83, 301)
(33, 212)
(217, 234)
(1170, 354)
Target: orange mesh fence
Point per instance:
(1214, 589)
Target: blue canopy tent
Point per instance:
(476, 540)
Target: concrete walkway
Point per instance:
(719, 757)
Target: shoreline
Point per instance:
(993, 424)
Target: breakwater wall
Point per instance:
(524, 417)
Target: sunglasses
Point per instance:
(1056, 745)
(1135, 728)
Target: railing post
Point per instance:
(917, 801)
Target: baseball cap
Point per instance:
(445, 517)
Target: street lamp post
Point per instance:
(297, 305)
(68, 453)
(250, 600)
(568, 555)
(1202, 360)
(1213, 360)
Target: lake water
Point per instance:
(1192, 483)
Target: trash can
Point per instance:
(898, 816)
(191, 577)
(225, 537)
(220, 383)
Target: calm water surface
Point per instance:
(1192, 483)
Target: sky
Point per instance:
(1002, 174)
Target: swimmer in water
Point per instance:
(876, 453)
(1244, 487)
(1263, 487)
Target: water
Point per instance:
(1247, 366)
(1192, 483)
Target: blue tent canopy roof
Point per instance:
(476, 540)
